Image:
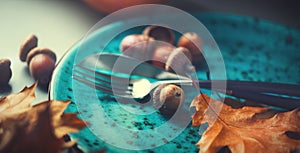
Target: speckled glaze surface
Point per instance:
(252, 49)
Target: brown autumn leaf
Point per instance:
(35, 129)
(242, 130)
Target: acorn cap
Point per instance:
(130, 40)
(191, 41)
(160, 55)
(160, 33)
(179, 61)
(5, 63)
(5, 70)
(138, 46)
(40, 50)
(27, 45)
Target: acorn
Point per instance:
(138, 46)
(167, 98)
(41, 62)
(28, 44)
(5, 71)
(160, 33)
(179, 61)
(161, 55)
(191, 41)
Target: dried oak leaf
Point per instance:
(242, 130)
(35, 129)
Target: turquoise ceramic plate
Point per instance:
(252, 49)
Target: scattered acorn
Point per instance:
(167, 98)
(28, 44)
(160, 33)
(137, 46)
(41, 62)
(161, 55)
(5, 70)
(179, 61)
(190, 40)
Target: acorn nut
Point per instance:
(167, 98)
(138, 46)
(191, 41)
(160, 33)
(5, 71)
(161, 55)
(179, 61)
(28, 44)
(41, 62)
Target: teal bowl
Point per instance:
(252, 49)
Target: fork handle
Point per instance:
(182, 82)
(276, 94)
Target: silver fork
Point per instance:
(275, 94)
(122, 87)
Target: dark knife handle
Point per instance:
(275, 94)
